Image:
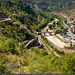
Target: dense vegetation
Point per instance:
(36, 61)
(10, 31)
(47, 42)
(61, 29)
(14, 57)
(60, 6)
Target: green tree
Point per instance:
(3, 68)
(50, 26)
(47, 30)
(22, 47)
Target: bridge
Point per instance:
(29, 42)
(44, 32)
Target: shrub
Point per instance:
(43, 53)
(35, 50)
(3, 68)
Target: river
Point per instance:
(57, 43)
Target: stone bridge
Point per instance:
(47, 32)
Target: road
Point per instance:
(47, 47)
(53, 51)
(42, 20)
(29, 42)
(62, 14)
(36, 7)
(6, 19)
(65, 25)
(42, 42)
(69, 31)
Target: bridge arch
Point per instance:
(47, 32)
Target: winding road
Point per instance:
(47, 47)
(42, 42)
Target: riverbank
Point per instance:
(59, 46)
(56, 42)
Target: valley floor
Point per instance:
(56, 41)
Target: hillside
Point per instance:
(19, 23)
(67, 7)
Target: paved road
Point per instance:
(41, 40)
(62, 14)
(6, 19)
(49, 48)
(53, 51)
(29, 42)
(69, 31)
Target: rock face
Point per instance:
(5, 18)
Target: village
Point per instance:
(70, 26)
(59, 40)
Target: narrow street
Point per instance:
(69, 31)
